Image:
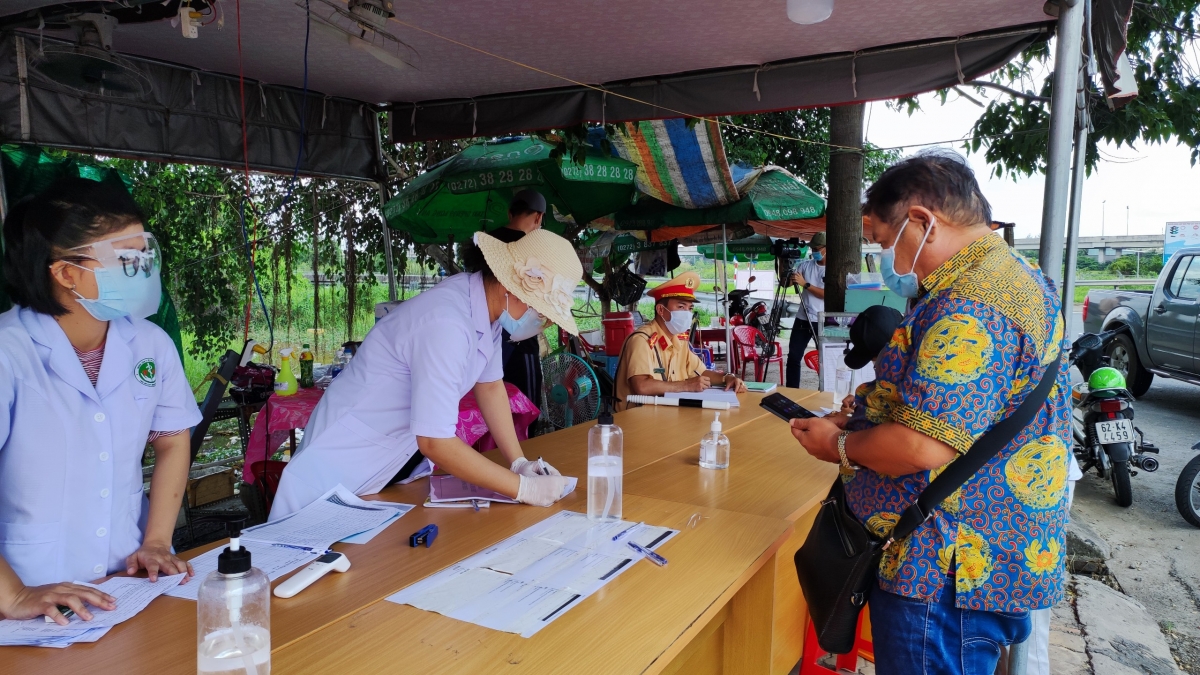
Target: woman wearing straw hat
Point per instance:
(393, 410)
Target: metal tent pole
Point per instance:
(381, 170)
(1062, 122)
(1077, 175)
(387, 245)
(725, 285)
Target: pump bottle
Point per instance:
(285, 381)
(714, 447)
(233, 620)
(605, 469)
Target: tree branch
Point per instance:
(1008, 90)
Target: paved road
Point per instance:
(1156, 554)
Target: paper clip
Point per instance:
(425, 535)
(694, 520)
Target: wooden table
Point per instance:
(769, 475)
(718, 607)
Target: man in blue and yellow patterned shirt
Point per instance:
(985, 328)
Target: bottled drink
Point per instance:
(714, 447)
(605, 470)
(306, 367)
(841, 384)
(233, 617)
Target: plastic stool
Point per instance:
(844, 662)
(812, 360)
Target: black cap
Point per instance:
(870, 333)
(234, 562)
(531, 199)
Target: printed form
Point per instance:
(525, 582)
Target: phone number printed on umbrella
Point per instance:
(597, 172)
(488, 180)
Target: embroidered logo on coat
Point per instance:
(145, 372)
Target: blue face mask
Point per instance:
(122, 295)
(818, 256)
(529, 325)
(905, 285)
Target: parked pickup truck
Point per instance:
(1161, 335)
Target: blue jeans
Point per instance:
(936, 638)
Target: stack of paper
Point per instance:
(525, 582)
(132, 596)
(279, 547)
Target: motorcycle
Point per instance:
(1102, 419)
(1187, 490)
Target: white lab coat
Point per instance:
(71, 504)
(406, 380)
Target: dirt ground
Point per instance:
(1156, 554)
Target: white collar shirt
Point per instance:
(71, 503)
(406, 380)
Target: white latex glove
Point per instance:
(541, 490)
(524, 467)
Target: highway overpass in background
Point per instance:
(1105, 248)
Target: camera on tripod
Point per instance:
(790, 250)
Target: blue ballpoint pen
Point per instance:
(625, 531)
(650, 555)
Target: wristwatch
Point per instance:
(806, 285)
(847, 467)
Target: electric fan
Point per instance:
(90, 67)
(570, 390)
(361, 24)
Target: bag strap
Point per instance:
(981, 452)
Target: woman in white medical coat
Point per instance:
(397, 401)
(85, 382)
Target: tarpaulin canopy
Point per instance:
(774, 195)
(471, 191)
(477, 71)
(678, 163)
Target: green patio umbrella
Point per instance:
(471, 191)
(776, 195)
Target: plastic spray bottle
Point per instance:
(605, 469)
(233, 620)
(306, 367)
(285, 381)
(714, 447)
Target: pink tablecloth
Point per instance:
(282, 414)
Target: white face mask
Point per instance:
(680, 321)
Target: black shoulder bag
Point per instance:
(839, 560)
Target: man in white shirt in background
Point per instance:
(809, 275)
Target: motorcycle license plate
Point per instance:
(1114, 431)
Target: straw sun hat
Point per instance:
(541, 269)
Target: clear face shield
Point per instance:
(130, 255)
(127, 280)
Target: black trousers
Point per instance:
(802, 333)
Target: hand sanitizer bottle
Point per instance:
(605, 469)
(714, 447)
(233, 620)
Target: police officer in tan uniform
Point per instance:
(656, 359)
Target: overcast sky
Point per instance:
(1156, 182)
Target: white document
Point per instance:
(717, 394)
(364, 537)
(132, 595)
(524, 583)
(275, 560)
(338, 514)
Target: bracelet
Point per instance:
(847, 467)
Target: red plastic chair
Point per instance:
(813, 360)
(842, 662)
(746, 340)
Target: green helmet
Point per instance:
(1106, 378)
